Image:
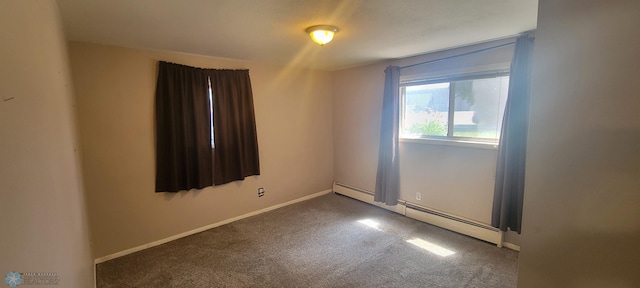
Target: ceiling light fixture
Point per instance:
(322, 34)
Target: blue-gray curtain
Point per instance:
(510, 169)
(388, 176)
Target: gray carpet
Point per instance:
(316, 243)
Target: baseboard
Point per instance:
(366, 196)
(511, 246)
(204, 228)
(429, 215)
(95, 276)
(456, 223)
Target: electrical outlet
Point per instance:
(418, 196)
(260, 192)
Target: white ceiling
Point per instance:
(272, 31)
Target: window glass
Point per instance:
(464, 109)
(426, 110)
(213, 142)
(479, 105)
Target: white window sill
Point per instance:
(452, 142)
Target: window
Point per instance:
(213, 142)
(188, 104)
(456, 108)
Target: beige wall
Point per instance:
(581, 225)
(458, 180)
(115, 94)
(42, 210)
(357, 102)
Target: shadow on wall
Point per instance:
(594, 260)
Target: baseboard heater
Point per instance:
(428, 215)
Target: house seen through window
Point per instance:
(461, 108)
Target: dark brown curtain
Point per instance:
(183, 134)
(388, 176)
(185, 158)
(236, 142)
(510, 170)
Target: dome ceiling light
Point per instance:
(322, 34)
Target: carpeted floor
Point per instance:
(329, 241)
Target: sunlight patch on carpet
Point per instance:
(433, 248)
(371, 223)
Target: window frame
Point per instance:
(476, 142)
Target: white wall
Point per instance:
(581, 222)
(42, 210)
(457, 180)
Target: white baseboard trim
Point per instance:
(367, 197)
(478, 231)
(95, 276)
(207, 227)
(432, 216)
(511, 246)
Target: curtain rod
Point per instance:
(459, 55)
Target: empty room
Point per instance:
(328, 143)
